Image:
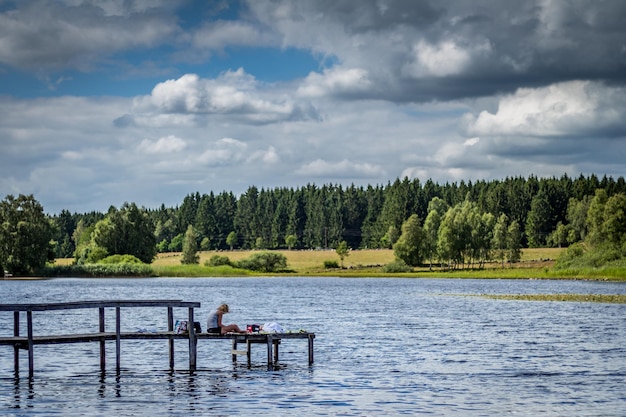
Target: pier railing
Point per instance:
(28, 341)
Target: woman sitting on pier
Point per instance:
(214, 322)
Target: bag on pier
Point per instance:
(182, 327)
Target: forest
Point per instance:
(543, 212)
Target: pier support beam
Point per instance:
(31, 357)
(103, 361)
(118, 340)
(192, 341)
(16, 349)
(170, 328)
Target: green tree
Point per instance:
(501, 238)
(595, 218)
(390, 237)
(431, 231)
(291, 241)
(454, 235)
(614, 225)
(190, 247)
(225, 207)
(232, 240)
(176, 245)
(127, 231)
(577, 218)
(548, 207)
(64, 225)
(342, 250)
(514, 248)
(482, 236)
(25, 235)
(204, 223)
(246, 218)
(560, 236)
(371, 230)
(409, 247)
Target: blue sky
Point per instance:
(108, 101)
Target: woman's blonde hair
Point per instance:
(223, 308)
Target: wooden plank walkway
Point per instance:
(271, 340)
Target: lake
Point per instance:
(383, 347)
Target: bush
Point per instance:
(217, 260)
(99, 270)
(120, 259)
(264, 262)
(578, 256)
(331, 265)
(397, 266)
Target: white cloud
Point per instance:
(335, 81)
(564, 109)
(164, 145)
(443, 59)
(225, 151)
(233, 93)
(471, 141)
(268, 156)
(345, 168)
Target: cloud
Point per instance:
(447, 90)
(43, 35)
(164, 145)
(416, 51)
(233, 93)
(336, 81)
(268, 156)
(225, 151)
(345, 168)
(568, 109)
(444, 59)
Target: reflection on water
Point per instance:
(383, 346)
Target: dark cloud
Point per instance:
(55, 35)
(450, 49)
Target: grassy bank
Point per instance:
(535, 264)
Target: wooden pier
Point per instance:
(27, 342)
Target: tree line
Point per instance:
(545, 212)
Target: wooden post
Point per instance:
(31, 358)
(270, 346)
(170, 328)
(102, 342)
(248, 352)
(276, 342)
(234, 349)
(16, 348)
(192, 341)
(117, 339)
(311, 337)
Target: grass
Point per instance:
(584, 298)
(535, 264)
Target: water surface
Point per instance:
(382, 347)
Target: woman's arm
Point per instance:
(219, 318)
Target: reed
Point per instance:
(583, 298)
